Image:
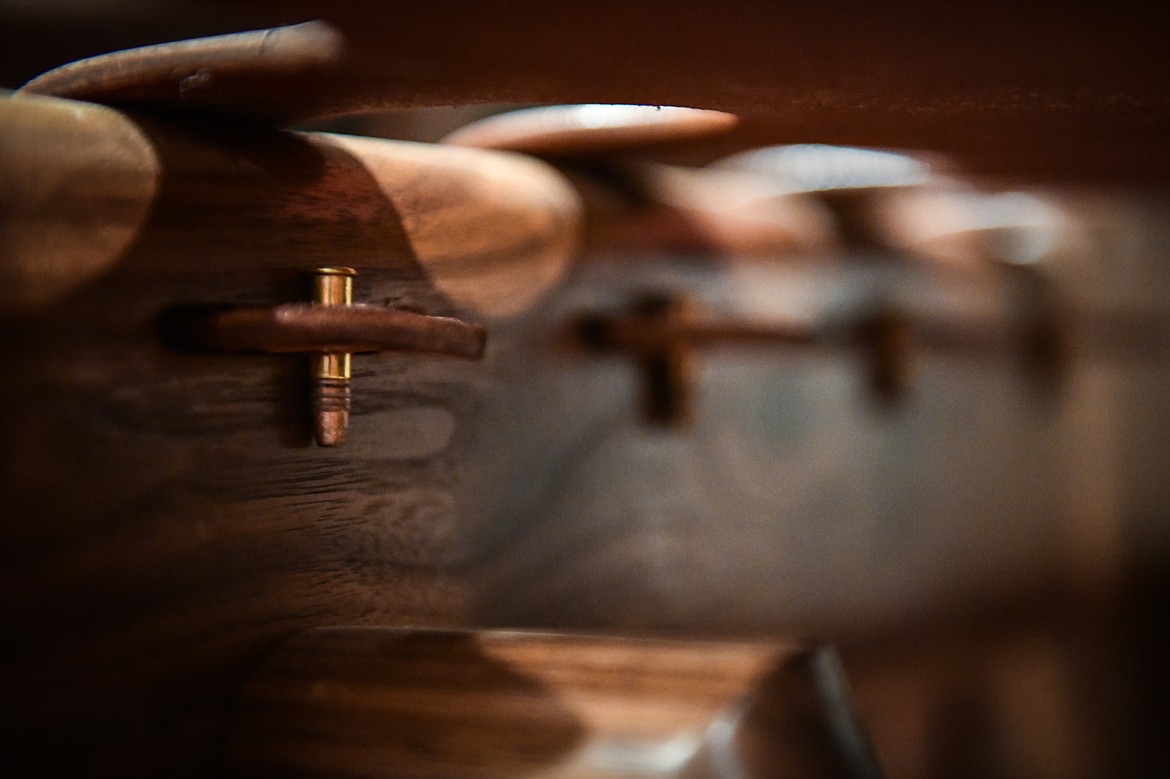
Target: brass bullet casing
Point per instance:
(330, 371)
(329, 330)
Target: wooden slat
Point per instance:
(643, 207)
(197, 67)
(87, 188)
(590, 130)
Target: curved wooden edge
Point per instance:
(89, 189)
(591, 130)
(261, 75)
(79, 180)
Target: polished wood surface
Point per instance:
(637, 206)
(88, 189)
(167, 525)
(383, 703)
(591, 130)
(202, 67)
(79, 180)
(166, 519)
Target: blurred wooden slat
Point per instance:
(590, 131)
(643, 207)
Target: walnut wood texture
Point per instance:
(380, 703)
(1040, 89)
(166, 518)
(87, 188)
(166, 523)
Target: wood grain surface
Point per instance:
(166, 519)
(166, 523)
(394, 703)
(493, 231)
(282, 54)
